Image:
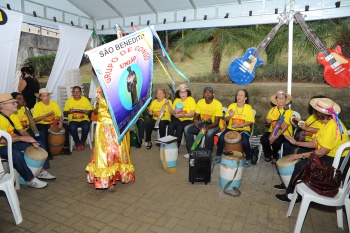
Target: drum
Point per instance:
(233, 141)
(56, 140)
(228, 166)
(286, 168)
(35, 159)
(170, 154)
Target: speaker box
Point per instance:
(200, 166)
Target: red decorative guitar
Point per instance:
(336, 66)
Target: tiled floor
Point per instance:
(157, 202)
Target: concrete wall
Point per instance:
(260, 93)
(32, 45)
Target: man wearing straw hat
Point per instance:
(8, 105)
(326, 142)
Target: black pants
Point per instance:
(276, 145)
(150, 126)
(176, 128)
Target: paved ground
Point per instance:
(157, 202)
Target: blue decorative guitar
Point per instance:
(241, 70)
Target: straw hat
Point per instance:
(182, 86)
(43, 91)
(280, 92)
(323, 105)
(6, 98)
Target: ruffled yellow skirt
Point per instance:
(110, 161)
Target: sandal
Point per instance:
(111, 188)
(149, 145)
(268, 159)
(273, 162)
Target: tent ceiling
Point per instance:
(168, 14)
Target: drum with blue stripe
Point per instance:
(228, 167)
(35, 159)
(286, 168)
(171, 154)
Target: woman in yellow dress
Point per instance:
(110, 161)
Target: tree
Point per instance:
(223, 42)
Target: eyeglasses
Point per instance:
(183, 91)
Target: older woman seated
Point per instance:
(327, 140)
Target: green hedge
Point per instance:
(42, 64)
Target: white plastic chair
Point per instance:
(72, 143)
(310, 196)
(7, 182)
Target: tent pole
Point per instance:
(290, 47)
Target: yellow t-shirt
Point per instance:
(209, 111)
(240, 116)
(41, 109)
(189, 105)
(83, 103)
(313, 122)
(156, 107)
(326, 137)
(6, 126)
(275, 113)
(20, 117)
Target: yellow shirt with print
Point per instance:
(41, 109)
(6, 126)
(189, 105)
(313, 122)
(275, 113)
(209, 111)
(156, 107)
(20, 117)
(83, 103)
(326, 137)
(240, 116)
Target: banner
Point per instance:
(124, 68)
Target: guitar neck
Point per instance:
(312, 36)
(267, 39)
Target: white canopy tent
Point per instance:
(170, 14)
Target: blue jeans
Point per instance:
(73, 129)
(245, 143)
(18, 159)
(191, 130)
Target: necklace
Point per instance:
(241, 111)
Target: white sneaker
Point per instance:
(46, 176)
(187, 156)
(36, 183)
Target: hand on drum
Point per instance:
(290, 139)
(294, 157)
(30, 139)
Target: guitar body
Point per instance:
(241, 70)
(338, 76)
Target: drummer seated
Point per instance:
(78, 109)
(8, 105)
(47, 112)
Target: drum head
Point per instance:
(235, 156)
(56, 130)
(38, 154)
(232, 137)
(284, 162)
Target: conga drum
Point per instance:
(228, 166)
(169, 156)
(35, 159)
(286, 168)
(56, 139)
(233, 141)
